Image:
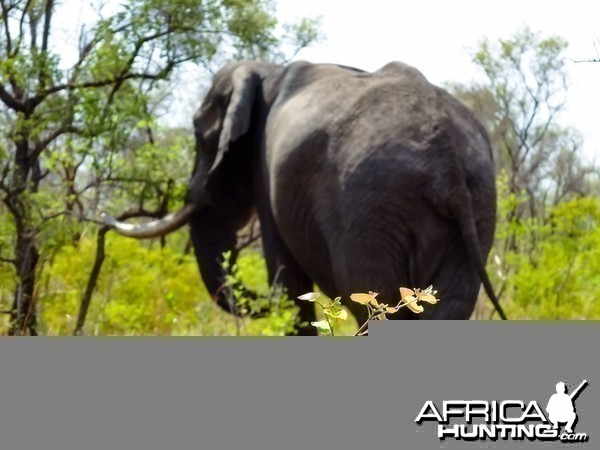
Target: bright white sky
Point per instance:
(435, 36)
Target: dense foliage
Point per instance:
(147, 290)
(553, 269)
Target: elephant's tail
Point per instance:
(471, 238)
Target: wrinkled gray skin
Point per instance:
(361, 181)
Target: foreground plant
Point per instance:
(409, 298)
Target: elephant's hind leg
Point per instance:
(457, 285)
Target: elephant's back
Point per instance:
(394, 104)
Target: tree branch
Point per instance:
(11, 102)
(36, 100)
(47, 20)
(43, 144)
(8, 261)
(43, 73)
(7, 35)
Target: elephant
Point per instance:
(360, 181)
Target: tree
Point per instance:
(66, 127)
(520, 103)
(538, 160)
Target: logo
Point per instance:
(472, 420)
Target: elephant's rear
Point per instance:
(384, 173)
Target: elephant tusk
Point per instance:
(156, 228)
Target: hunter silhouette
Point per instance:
(560, 406)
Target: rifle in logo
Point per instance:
(576, 392)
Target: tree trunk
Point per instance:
(23, 314)
(92, 281)
(25, 181)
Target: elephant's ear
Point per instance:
(237, 118)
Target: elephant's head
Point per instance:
(228, 128)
